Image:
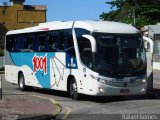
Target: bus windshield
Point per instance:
(119, 55)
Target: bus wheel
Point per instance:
(21, 82)
(73, 89)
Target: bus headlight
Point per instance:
(141, 80)
(103, 81)
(93, 77)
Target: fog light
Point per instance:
(101, 90)
(144, 80)
(143, 90)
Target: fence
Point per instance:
(1, 61)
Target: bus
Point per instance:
(97, 58)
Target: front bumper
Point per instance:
(107, 90)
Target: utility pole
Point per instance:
(134, 13)
(134, 16)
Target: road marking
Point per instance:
(56, 112)
(56, 103)
(52, 100)
(67, 113)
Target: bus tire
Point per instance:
(21, 82)
(73, 90)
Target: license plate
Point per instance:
(124, 91)
(120, 80)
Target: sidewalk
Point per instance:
(19, 106)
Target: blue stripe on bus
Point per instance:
(21, 59)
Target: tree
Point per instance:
(140, 12)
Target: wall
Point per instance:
(19, 16)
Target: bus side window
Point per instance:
(28, 44)
(61, 40)
(41, 43)
(69, 44)
(20, 43)
(84, 46)
(85, 51)
(52, 41)
(11, 43)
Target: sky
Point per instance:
(65, 10)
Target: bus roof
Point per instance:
(106, 26)
(96, 26)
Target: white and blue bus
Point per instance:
(98, 58)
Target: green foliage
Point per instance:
(140, 21)
(145, 11)
(110, 15)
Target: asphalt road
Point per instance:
(95, 108)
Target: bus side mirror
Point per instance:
(147, 50)
(93, 42)
(148, 44)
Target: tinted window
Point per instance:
(80, 32)
(84, 46)
(49, 41)
(41, 42)
(52, 41)
(61, 40)
(11, 43)
(85, 51)
(15, 43)
(69, 43)
(20, 42)
(29, 44)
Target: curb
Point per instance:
(65, 112)
(29, 116)
(53, 101)
(45, 117)
(41, 117)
